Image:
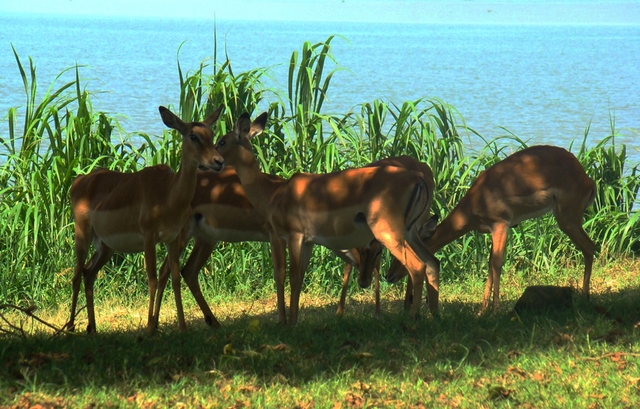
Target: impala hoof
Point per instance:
(212, 321)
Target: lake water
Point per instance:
(544, 83)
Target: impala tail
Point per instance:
(420, 228)
(419, 225)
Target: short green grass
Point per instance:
(587, 356)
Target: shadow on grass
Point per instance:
(321, 346)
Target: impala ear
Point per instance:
(213, 117)
(427, 229)
(243, 125)
(171, 120)
(258, 125)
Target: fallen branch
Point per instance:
(29, 311)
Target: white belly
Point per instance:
(359, 236)
(125, 243)
(211, 235)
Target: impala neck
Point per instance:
(184, 187)
(456, 224)
(258, 186)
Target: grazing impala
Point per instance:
(525, 185)
(133, 212)
(371, 255)
(340, 210)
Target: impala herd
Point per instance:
(354, 213)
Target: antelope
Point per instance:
(525, 185)
(133, 212)
(371, 254)
(339, 210)
(220, 212)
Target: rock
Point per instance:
(539, 297)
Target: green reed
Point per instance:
(62, 136)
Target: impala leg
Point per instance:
(416, 268)
(370, 266)
(343, 294)
(170, 266)
(432, 271)
(402, 251)
(278, 256)
(432, 264)
(430, 268)
(417, 277)
(175, 250)
(571, 225)
(82, 241)
(165, 271)
(199, 256)
(487, 293)
(408, 295)
(376, 274)
(75, 288)
(496, 259)
(81, 250)
(98, 260)
(150, 262)
(299, 256)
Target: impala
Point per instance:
(525, 185)
(220, 212)
(133, 212)
(339, 210)
(371, 255)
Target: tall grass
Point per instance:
(62, 136)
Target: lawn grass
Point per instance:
(586, 356)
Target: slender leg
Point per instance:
(81, 247)
(90, 272)
(370, 266)
(571, 225)
(496, 259)
(299, 255)
(430, 266)
(416, 268)
(278, 256)
(343, 294)
(173, 256)
(408, 296)
(199, 256)
(376, 274)
(150, 261)
(432, 271)
(165, 271)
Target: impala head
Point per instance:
(397, 270)
(238, 141)
(197, 139)
(369, 261)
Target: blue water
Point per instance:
(543, 83)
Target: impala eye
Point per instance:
(193, 137)
(221, 142)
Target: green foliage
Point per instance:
(63, 136)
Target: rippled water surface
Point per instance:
(545, 84)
